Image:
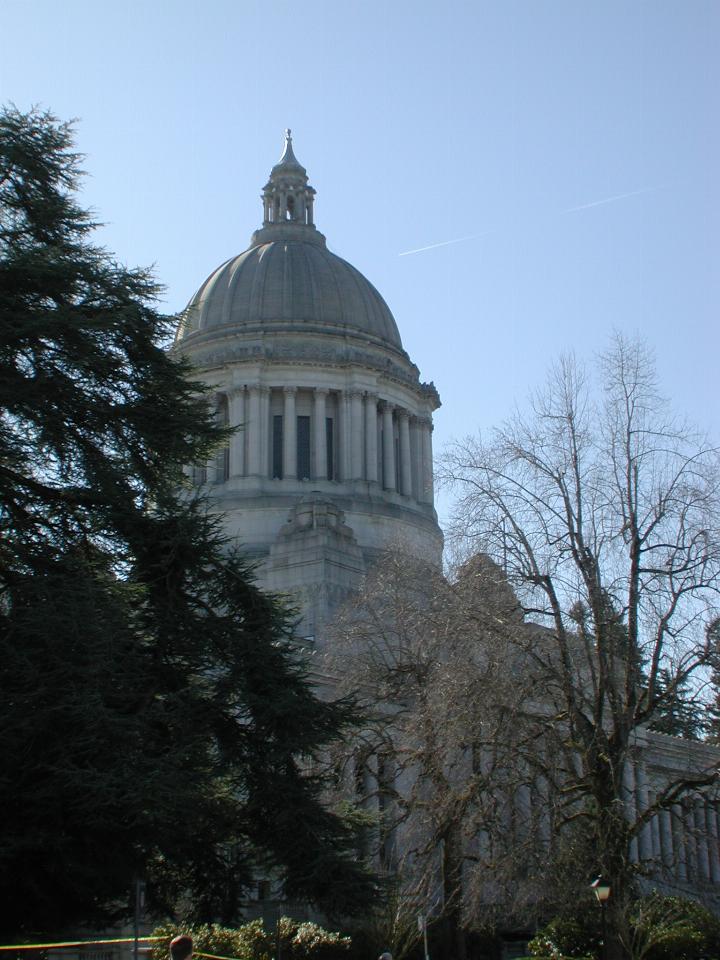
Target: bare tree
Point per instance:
(441, 759)
(602, 509)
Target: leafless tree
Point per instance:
(602, 509)
(441, 759)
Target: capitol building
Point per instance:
(332, 458)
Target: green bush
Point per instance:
(672, 928)
(566, 937)
(251, 941)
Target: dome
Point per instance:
(290, 284)
(287, 281)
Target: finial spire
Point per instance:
(288, 156)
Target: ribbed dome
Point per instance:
(290, 282)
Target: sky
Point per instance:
(518, 178)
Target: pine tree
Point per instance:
(155, 719)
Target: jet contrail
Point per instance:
(582, 206)
(620, 196)
(443, 243)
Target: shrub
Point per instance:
(251, 941)
(566, 937)
(672, 928)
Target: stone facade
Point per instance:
(331, 459)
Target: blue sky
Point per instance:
(576, 144)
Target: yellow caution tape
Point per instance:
(212, 956)
(73, 943)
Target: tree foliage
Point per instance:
(155, 719)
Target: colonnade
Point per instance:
(682, 841)
(365, 436)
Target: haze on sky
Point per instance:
(516, 178)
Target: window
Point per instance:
(303, 448)
(277, 448)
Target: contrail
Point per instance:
(443, 243)
(582, 206)
(598, 203)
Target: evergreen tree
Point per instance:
(678, 713)
(155, 720)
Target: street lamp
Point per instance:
(601, 889)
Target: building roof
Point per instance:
(287, 279)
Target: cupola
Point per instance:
(287, 197)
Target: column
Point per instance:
(237, 440)
(319, 442)
(666, 840)
(523, 812)
(264, 431)
(703, 852)
(645, 839)
(388, 447)
(690, 840)
(357, 434)
(405, 459)
(426, 486)
(416, 452)
(629, 800)
(211, 471)
(712, 834)
(289, 433)
(543, 812)
(371, 464)
(343, 436)
(678, 829)
(655, 831)
(253, 429)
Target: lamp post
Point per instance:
(601, 889)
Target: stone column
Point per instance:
(655, 832)
(645, 839)
(388, 447)
(343, 436)
(265, 431)
(357, 434)
(426, 485)
(703, 851)
(371, 464)
(254, 448)
(289, 433)
(543, 813)
(712, 834)
(630, 802)
(690, 840)
(678, 829)
(405, 460)
(237, 440)
(666, 840)
(319, 442)
(417, 461)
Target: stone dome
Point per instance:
(290, 283)
(287, 280)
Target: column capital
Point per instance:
(370, 397)
(402, 413)
(321, 391)
(355, 394)
(386, 406)
(289, 391)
